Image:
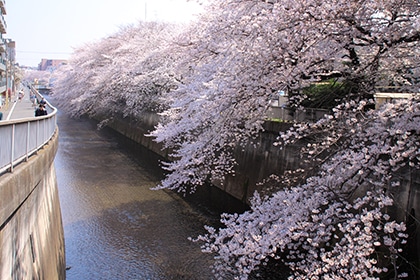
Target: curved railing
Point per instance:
(21, 138)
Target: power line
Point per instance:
(38, 52)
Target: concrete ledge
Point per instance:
(17, 186)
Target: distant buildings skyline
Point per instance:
(50, 64)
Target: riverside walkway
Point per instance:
(21, 133)
(19, 109)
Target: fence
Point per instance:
(21, 138)
(290, 115)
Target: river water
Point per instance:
(115, 226)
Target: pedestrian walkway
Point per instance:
(19, 109)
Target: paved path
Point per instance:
(19, 109)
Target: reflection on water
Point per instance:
(115, 226)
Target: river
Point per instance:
(115, 226)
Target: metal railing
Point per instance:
(297, 115)
(21, 138)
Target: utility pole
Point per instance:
(6, 101)
(145, 10)
(10, 61)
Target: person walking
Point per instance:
(43, 102)
(33, 100)
(21, 94)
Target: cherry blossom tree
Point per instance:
(243, 52)
(335, 225)
(123, 74)
(34, 75)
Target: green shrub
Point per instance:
(327, 94)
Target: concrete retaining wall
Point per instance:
(257, 160)
(31, 230)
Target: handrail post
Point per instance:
(27, 141)
(12, 148)
(37, 134)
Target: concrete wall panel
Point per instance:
(31, 231)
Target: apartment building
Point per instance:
(7, 59)
(50, 64)
(3, 50)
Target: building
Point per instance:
(7, 60)
(3, 87)
(50, 64)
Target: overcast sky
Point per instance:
(52, 28)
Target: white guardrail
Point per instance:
(21, 138)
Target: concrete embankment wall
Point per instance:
(257, 160)
(31, 230)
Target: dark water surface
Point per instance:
(115, 226)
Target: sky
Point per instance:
(51, 29)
